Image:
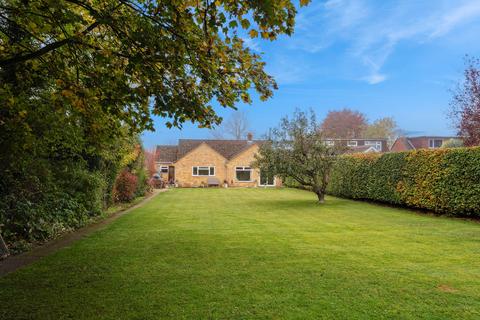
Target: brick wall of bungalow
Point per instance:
(225, 170)
(244, 159)
(202, 156)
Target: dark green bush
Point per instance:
(42, 197)
(445, 180)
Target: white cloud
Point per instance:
(375, 78)
(371, 30)
(459, 15)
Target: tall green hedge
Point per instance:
(445, 181)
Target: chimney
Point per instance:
(250, 137)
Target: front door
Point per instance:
(171, 174)
(266, 179)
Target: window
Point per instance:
(163, 169)
(352, 143)
(203, 171)
(329, 143)
(435, 143)
(376, 144)
(243, 174)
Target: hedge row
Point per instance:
(445, 181)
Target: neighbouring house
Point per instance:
(360, 145)
(202, 162)
(422, 142)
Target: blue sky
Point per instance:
(383, 58)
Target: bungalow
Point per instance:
(200, 162)
(422, 142)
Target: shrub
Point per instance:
(40, 203)
(125, 186)
(445, 180)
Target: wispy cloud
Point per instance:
(370, 31)
(459, 15)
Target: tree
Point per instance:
(236, 126)
(79, 79)
(465, 104)
(344, 124)
(385, 128)
(296, 149)
(150, 164)
(125, 57)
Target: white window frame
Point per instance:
(330, 143)
(243, 168)
(209, 168)
(352, 143)
(431, 143)
(162, 168)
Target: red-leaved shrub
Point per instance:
(125, 187)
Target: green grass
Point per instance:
(257, 254)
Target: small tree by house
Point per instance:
(296, 149)
(466, 104)
(385, 128)
(150, 165)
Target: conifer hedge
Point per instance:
(446, 181)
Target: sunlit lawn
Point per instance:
(257, 254)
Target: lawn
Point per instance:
(257, 254)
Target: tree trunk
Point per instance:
(321, 196)
(3, 249)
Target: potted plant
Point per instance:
(225, 183)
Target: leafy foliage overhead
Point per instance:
(118, 56)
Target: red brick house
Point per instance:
(423, 142)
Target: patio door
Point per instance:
(266, 179)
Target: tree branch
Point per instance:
(48, 48)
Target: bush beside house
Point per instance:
(446, 181)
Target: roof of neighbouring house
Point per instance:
(227, 148)
(411, 143)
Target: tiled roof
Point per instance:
(166, 153)
(227, 148)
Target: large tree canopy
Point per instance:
(344, 124)
(118, 56)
